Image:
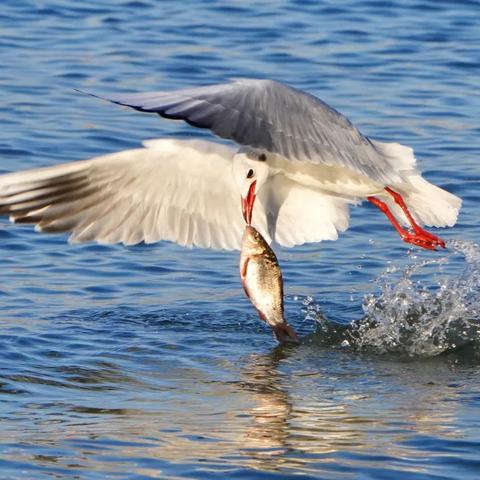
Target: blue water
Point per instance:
(147, 361)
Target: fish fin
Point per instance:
(243, 276)
(243, 268)
(262, 316)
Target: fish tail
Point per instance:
(285, 333)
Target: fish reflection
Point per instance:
(278, 426)
(267, 433)
(319, 413)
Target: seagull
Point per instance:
(299, 162)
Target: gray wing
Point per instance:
(269, 115)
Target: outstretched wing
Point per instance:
(269, 115)
(180, 191)
(176, 190)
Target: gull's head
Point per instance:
(250, 171)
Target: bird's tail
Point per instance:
(429, 204)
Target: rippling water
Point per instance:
(147, 362)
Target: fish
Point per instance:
(263, 283)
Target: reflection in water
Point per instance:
(121, 362)
(267, 432)
(135, 388)
(297, 408)
(305, 418)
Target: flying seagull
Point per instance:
(299, 161)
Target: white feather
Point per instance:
(176, 190)
(171, 190)
(297, 214)
(400, 157)
(430, 205)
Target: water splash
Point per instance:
(422, 310)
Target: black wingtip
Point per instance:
(83, 92)
(111, 100)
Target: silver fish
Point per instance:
(262, 281)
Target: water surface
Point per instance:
(147, 361)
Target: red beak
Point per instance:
(247, 203)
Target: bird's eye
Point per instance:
(262, 157)
(250, 173)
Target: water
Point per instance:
(419, 312)
(147, 361)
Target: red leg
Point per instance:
(416, 228)
(407, 237)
